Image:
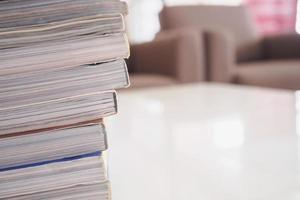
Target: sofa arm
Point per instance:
(177, 54)
(282, 46)
(221, 56)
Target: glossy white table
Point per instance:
(205, 142)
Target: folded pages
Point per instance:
(63, 54)
(29, 88)
(60, 112)
(23, 149)
(98, 191)
(66, 173)
(31, 12)
(16, 37)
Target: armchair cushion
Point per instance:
(282, 46)
(250, 52)
(283, 74)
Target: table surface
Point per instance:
(205, 142)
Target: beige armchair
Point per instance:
(173, 57)
(234, 52)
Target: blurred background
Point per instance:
(271, 16)
(249, 42)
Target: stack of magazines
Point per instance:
(60, 62)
